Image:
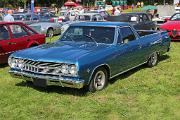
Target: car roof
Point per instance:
(100, 24)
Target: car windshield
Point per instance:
(175, 17)
(89, 34)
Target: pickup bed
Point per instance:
(88, 54)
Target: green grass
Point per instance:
(140, 94)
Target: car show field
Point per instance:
(141, 93)
(89, 60)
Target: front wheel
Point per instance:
(153, 60)
(99, 80)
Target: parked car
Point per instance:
(172, 26)
(89, 54)
(81, 18)
(16, 36)
(51, 17)
(103, 13)
(140, 21)
(48, 28)
(89, 17)
(27, 18)
(71, 14)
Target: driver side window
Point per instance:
(17, 31)
(126, 35)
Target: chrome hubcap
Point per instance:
(99, 80)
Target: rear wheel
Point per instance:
(153, 60)
(50, 32)
(99, 80)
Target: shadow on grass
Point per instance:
(129, 73)
(55, 89)
(83, 91)
(3, 65)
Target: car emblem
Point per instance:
(174, 32)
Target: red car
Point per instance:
(172, 26)
(17, 36)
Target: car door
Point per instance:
(34, 38)
(5, 47)
(127, 53)
(20, 37)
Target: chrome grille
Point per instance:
(41, 67)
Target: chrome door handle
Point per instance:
(11, 43)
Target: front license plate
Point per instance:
(40, 82)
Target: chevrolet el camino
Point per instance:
(89, 54)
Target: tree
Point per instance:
(24, 2)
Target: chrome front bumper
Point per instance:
(50, 80)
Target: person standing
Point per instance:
(132, 6)
(9, 17)
(142, 4)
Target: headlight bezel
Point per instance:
(16, 63)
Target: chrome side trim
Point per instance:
(127, 70)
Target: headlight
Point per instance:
(15, 63)
(72, 70)
(10, 61)
(20, 63)
(68, 69)
(64, 69)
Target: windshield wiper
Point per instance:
(91, 39)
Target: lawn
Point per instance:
(140, 94)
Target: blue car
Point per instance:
(89, 54)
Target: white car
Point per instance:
(81, 18)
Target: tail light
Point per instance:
(59, 19)
(51, 20)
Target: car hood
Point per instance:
(59, 52)
(170, 25)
